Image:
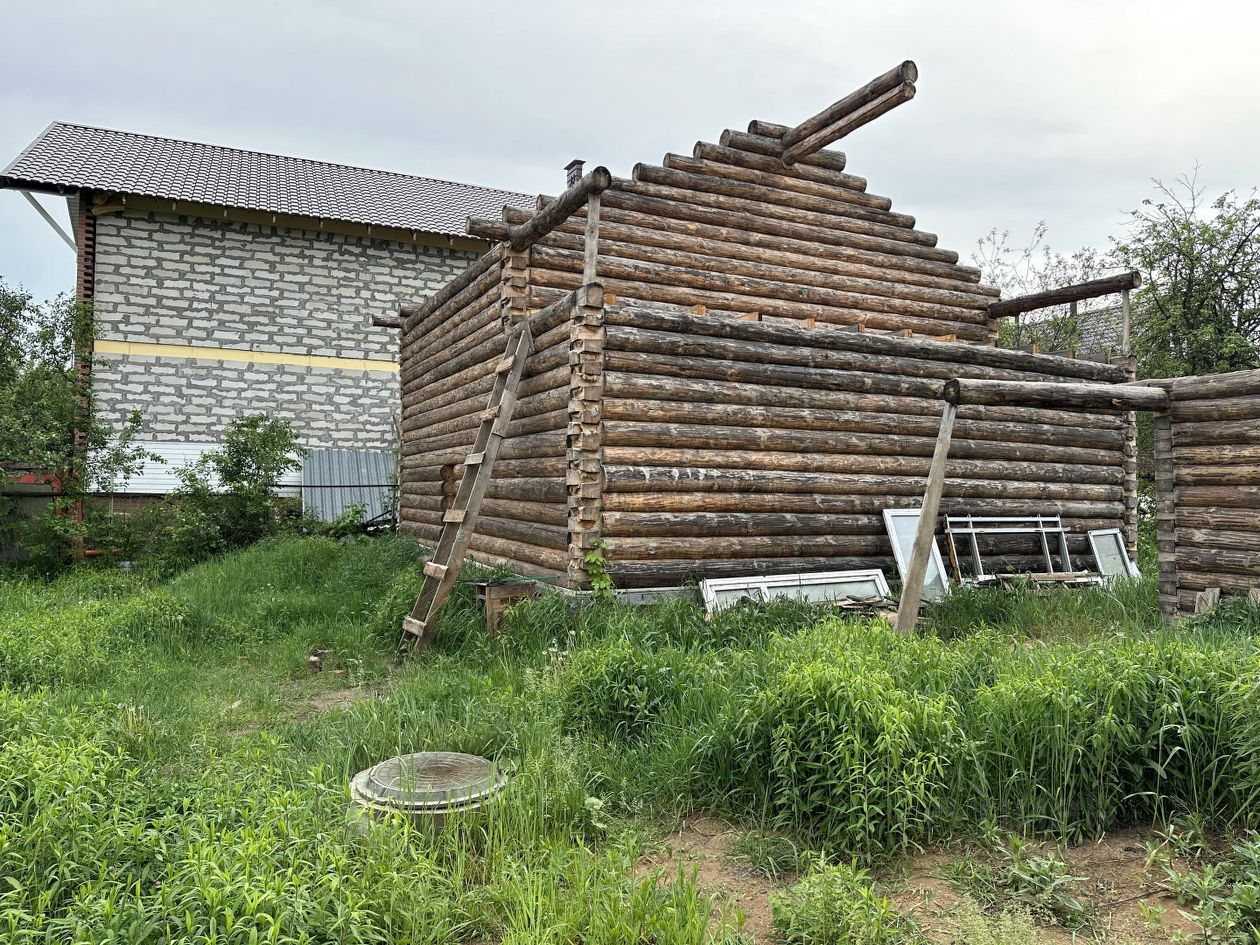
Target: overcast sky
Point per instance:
(1025, 111)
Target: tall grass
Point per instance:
(160, 780)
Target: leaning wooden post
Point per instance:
(925, 534)
(591, 245)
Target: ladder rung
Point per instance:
(453, 515)
(475, 459)
(413, 627)
(435, 570)
(490, 413)
(505, 365)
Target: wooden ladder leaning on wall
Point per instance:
(442, 569)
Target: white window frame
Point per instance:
(1131, 569)
(900, 554)
(766, 585)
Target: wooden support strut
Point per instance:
(925, 534)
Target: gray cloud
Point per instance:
(1025, 112)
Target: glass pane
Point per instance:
(905, 526)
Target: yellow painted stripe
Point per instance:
(243, 355)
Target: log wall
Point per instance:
(733, 447)
(448, 362)
(1210, 531)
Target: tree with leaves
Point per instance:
(1198, 311)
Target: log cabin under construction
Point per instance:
(735, 363)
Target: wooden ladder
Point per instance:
(442, 569)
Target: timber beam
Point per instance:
(1062, 296)
(1091, 398)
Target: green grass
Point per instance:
(164, 776)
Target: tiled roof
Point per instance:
(81, 156)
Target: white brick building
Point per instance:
(229, 282)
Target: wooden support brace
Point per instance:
(925, 534)
(434, 570)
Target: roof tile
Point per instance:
(83, 156)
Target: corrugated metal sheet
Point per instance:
(333, 479)
(160, 479)
(72, 155)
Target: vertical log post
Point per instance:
(925, 534)
(1125, 323)
(591, 245)
(584, 478)
(1166, 517)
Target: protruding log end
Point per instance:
(481, 228)
(908, 71)
(386, 321)
(591, 295)
(953, 390)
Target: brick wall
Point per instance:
(174, 280)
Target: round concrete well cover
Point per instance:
(428, 781)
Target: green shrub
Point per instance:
(837, 905)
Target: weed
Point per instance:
(838, 905)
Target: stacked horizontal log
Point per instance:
(734, 229)
(449, 353)
(734, 447)
(1214, 429)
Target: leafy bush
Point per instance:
(838, 905)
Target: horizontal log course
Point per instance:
(914, 354)
(1215, 409)
(665, 291)
(546, 412)
(1235, 584)
(1062, 296)
(886, 420)
(1216, 538)
(848, 123)
(487, 263)
(823, 440)
(543, 445)
(516, 555)
(662, 524)
(1219, 561)
(416, 466)
(1244, 474)
(1218, 518)
(533, 490)
(1226, 497)
(778, 460)
(458, 324)
(842, 229)
(675, 206)
(892, 79)
(474, 397)
(1209, 455)
(688, 173)
(801, 171)
(542, 513)
(454, 340)
(643, 478)
(635, 235)
(1209, 387)
(714, 383)
(773, 546)
(560, 209)
(638, 244)
(766, 139)
(552, 352)
(473, 298)
(1103, 397)
(626, 339)
(759, 281)
(1216, 433)
(801, 177)
(527, 533)
(830, 504)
